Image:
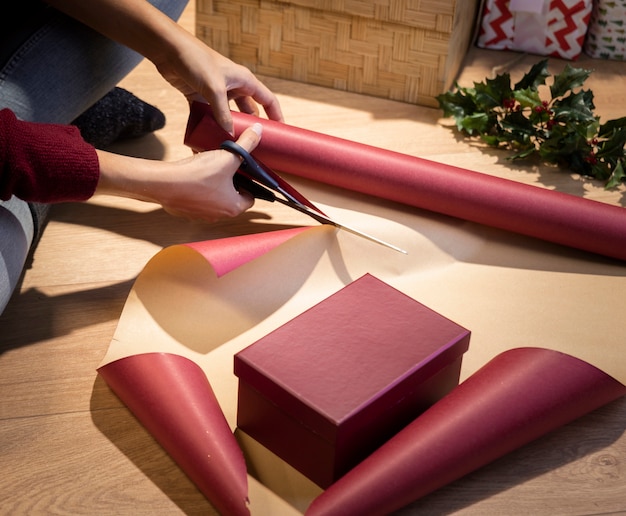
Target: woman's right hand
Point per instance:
(197, 188)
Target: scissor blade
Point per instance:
(323, 219)
(265, 176)
(368, 237)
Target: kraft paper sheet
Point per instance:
(206, 301)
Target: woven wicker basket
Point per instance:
(406, 50)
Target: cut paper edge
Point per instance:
(512, 400)
(193, 265)
(172, 398)
(170, 394)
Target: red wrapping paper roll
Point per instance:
(528, 210)
(517, 397)
(172, 398)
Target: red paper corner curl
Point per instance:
(227, 254)
(512, 400)
(172, 398)
(525, 209)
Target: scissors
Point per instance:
(263, 183)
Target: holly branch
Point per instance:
(561, 130)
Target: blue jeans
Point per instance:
(52, 70)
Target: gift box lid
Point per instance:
(345, 354)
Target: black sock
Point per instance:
(118, 115)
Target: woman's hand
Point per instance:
(201, 73)
(187, 63)
(198, 188)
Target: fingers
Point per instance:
(269, 102)
(219, 102)
(273, 111)
(262, 95)
(247, 105)
(248, 140)
(246, 201)
(223, 117)
(247, 97)
(272, 107)
(251, 137)
(247, 93)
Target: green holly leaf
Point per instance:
(565, 142)
(459, 105)
(524, 154)
(535, 77)
(492, 140)
(575, 107)
(607, 129)
(569, 79)
(518, 125)
(614, 145)
(492, 93)
(617, 177)
(456, 103)
(527, 97)
(475, 123)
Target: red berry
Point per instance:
(591, 158)
(508, 103)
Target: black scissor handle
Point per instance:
(250, 166)
(249, 172)
(243, 182)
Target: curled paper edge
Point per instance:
(512, 400)
(172, 398)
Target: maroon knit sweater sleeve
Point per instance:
(45, 163)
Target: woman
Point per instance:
(59, 58)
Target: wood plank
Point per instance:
(66, 442)
(119, 468)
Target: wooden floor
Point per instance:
(68, 446)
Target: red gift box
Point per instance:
(554, 28)
(330, 386)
